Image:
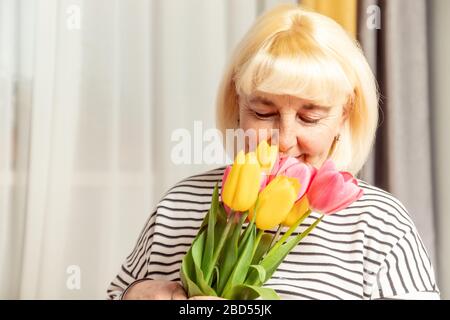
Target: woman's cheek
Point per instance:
(314, 148)
(246, 122)
(255, 124)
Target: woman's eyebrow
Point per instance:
(262, 100)
(308, 106)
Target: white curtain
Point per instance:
(90, 93)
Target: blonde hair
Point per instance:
(293, 51)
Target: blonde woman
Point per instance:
(300, 73)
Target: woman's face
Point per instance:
(306, 130)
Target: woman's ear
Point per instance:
(348, 108)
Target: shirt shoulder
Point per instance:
(381, 217)
(205, 179)
(192, 195)
(382, 212)
(395, 258)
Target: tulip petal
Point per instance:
(303, 174)
(286, 163)
(232, 179)
(275, 202)
(294, 168)
(242, 183)
(332, 191)
(225, 176)
(267, 155)
(350, 194)
(322, 193)
(298, 210)
(250, 177)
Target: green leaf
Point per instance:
(248, 292)
(246, 234)
(191, 264)
(209, 245)
(187, 275)
(187, 270)
(204, 222)
(264, 244)
(197, 249)
(262, 248)
(240, 271)
(193, 289)
(202, 284)
(216, 278)
(274, 258)
(220, 224)
(222, 214)
(260, 271)
(230, 254)
(218, 231)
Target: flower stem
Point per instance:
(217, 252)
(275, 236)
(258, 238)
(289, 232)
(300, 236)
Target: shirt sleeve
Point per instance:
(135, 266)
(406, 272)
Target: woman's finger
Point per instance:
(206, 298)
(179, 294)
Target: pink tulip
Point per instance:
(293, 168)
(331, 191)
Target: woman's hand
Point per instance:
(206, 298)
(155, 290)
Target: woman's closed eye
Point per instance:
(265, 116)
(308, 120)
(271, 115)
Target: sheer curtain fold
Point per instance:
(88, 173)
(56, 77)
(8, 66)
(16, 38)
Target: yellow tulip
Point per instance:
(297, 211)
(275, 202)
(243, 182)
(267, 155)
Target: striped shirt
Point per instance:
(370, 250)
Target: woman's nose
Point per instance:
(287, 137)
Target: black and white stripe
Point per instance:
(371, 250)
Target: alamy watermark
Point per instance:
(73, 17)
(208, 146)
(73, 281)
(373, 20)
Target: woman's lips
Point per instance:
(300, 158)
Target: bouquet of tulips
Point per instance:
(233, 255)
